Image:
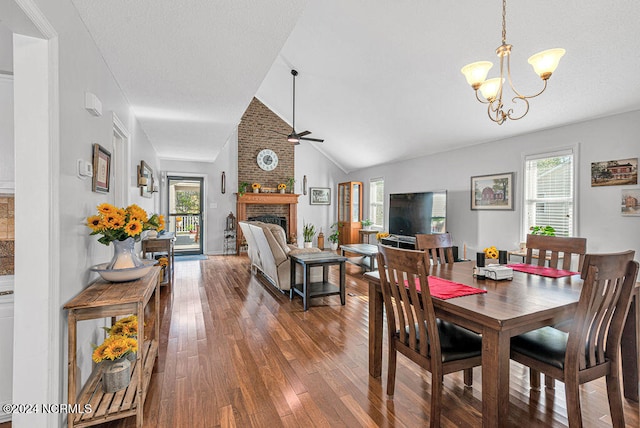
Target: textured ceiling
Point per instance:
(379, 81)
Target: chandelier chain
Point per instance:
(504, 22)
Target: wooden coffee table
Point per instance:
(367, 251)
(310, 289)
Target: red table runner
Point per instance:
(444, 289)
(542, 270)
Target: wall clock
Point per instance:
(267, 159)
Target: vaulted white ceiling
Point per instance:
(379, 81)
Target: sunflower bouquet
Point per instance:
(282, 186)
(127, 326)
(491, 252)
(114, 348)
(118, 224)
(256, 186)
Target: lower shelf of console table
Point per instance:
(107, 407)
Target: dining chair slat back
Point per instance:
(438, 246)
(591, 348)
(557, 248)
(435, 345)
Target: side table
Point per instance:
(310, 289)
(162, 244)
(365, 235)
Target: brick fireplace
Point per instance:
(259, 129)
(278, 204)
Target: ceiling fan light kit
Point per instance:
(544, 64)
(295, 137)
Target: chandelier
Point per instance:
(544, 64)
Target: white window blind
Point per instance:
(376, 202)
(549, 192)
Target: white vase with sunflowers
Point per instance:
(123, 227)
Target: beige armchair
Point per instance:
(269, 253)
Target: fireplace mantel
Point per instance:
(290, 199)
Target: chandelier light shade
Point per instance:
(544, 64)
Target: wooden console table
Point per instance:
(104, 299)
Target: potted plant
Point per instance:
(112, 353)
(290, 182)
(242, 188)
(366, 224)
(543, 230)
(308, 232)
(256, 187)
(333, 238)
(282, 187)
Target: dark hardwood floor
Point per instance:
(235, 352)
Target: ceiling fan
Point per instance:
(295, 137)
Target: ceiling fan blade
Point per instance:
(317, 140)
(302, 134)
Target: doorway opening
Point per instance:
(185, 213)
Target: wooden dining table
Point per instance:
(508, 308)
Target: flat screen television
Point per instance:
(412, 213)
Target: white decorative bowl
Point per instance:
(123, 275)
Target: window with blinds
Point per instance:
(549, 198)
(376, 202)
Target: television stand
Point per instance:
(409, 243)
(405, 242)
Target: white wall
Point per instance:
(80, 68)
(216, 204)
(6, 49)
(320, 172)
(7, 157)
(598, 211)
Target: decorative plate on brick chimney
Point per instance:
(267, 159)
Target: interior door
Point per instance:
(185, 213)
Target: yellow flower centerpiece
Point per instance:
(118, 224)
(256, 187)
(282, 187)
(122, 227)
(491, 252)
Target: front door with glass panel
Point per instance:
(185, 213)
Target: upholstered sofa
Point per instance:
(269, 252)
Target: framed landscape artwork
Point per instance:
(320, 196)
(101, 169)
(492, 192)
(630, 202)
(614, 173)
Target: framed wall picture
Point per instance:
(614, 173)
(145, 180)
(492, 192)
(630, 203)
(320, 196)
(101, 169)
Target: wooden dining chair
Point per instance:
(438, 246)
(591, 348)
(435, 345)
(557, 248)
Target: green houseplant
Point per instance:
(333, 238)
(543, 230)
(366, 223)
(308, 232)
(290, 183)
(242, 188)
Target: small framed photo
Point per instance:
(492, 192)
(320, 196)
(101, 169)
(630, 205)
